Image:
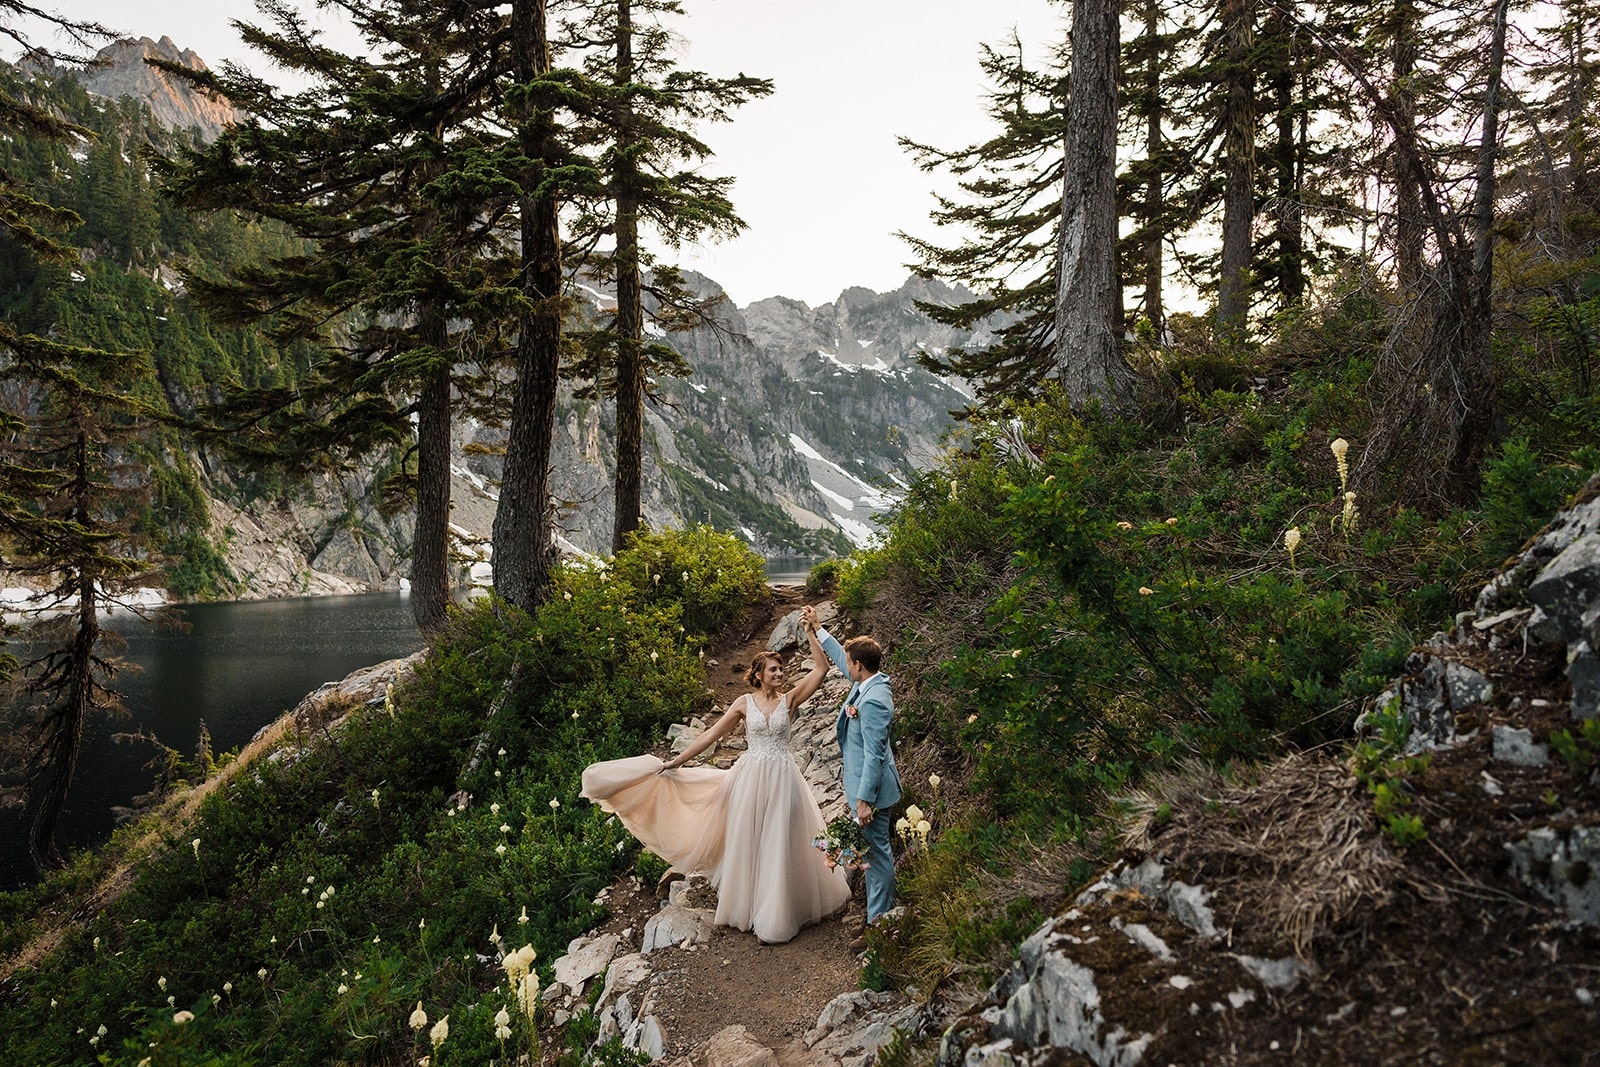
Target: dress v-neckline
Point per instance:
(766, 715)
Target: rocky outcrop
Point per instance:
(120, 70)
(328, 539)
(1286, 918)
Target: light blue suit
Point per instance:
(869, 772)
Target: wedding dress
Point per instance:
(749, 828)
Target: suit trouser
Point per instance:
(880, 867)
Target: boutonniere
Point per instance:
(851, 711)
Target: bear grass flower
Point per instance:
(934, 780)
(440, 1031)
(1339, 448)
(555, 805)
(183, 1018)
(518, 963)
(502, 1024)
(419, 1018)
(1291, 541)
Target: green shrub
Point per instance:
(711, 576)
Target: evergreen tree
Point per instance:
(1143, 187)
(545, 173)
(1435, 384)
(63, 500)
(1239, 150)
(1010, 205)
(386, 163)
(1088, 357)
(74, 532)
(651, 160)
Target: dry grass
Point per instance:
(1295, 858)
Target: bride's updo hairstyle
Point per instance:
(752, 676)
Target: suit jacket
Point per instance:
(869, 771)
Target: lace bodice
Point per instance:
(767, 734)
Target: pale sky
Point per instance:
(821, 181)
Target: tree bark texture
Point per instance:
(1089, 360)
(430, 547)
(630, 307)
(1239, 148)
(1154, 192)
(524, 541)
(1476, 399)
(1410, 220)
(1289, 194)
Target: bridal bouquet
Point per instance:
(843, 844)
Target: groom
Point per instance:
(871, 783)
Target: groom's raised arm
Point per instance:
(834, 649)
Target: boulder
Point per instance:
(674, 925)
(1567, 587)
(1514, 745)
(732, 1046)
(1560, 867)
(854, 1026)
(586, 960)
(1583, 671)
(788, 633)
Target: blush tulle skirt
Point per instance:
(748, 829)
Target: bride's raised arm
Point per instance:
(719, 729)
(809, 684)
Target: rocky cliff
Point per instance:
(120, 69)
(774, 435)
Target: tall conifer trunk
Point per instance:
(1411, 225)
(630, 309)
(1089, 360)
(64, 724)
(1154, 192)
(524, 541)
(1239, 146)
(1287, 162)
(1477, 395)
(430, 545)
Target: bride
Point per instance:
(750, 828)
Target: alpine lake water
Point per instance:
(237, 667)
